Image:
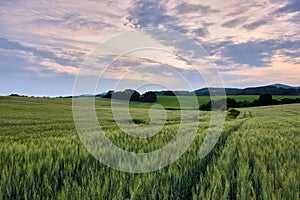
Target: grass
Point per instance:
(256, 157)
(260, 160)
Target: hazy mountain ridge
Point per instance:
(275, 89)
(279, 85)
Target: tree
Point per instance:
(134, 95)
(214, 105)
(149, 97)
(265, 99)
(128, 95)
(14, 95)
(231, 103)
(169, 93)
(108, 94)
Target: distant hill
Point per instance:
(174, 93)
(279, 85)
(270, 90)
(275, 89)
(217, 91)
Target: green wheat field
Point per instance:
(41, 157)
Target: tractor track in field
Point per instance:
(200, 169)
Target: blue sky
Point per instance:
(43, 44)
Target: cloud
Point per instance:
(233, 23)
(149, 12)
(256, 53)
(152, 13)
(276, 61)
(202, 32)
(252, 53)
(287, 56)
(13, 63)
(290, 6)
(185, 7)
(13, 45)
(51, 66)
(52, 38)
(255, 24)
(61, 31)
(272, 74)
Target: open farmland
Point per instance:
(256, 157)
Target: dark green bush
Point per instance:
(233, 113)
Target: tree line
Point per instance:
(263, 100)
(131, 95)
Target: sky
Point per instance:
(46, 46)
